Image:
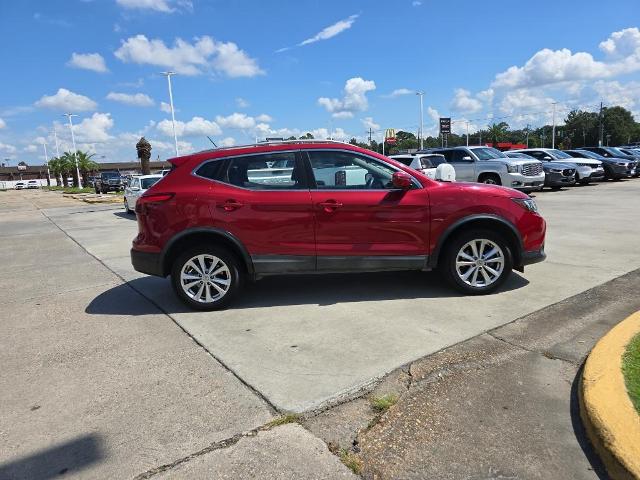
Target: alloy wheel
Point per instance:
(480, 263)
(205, 278)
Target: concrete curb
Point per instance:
(611, 422)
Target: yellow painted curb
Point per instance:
(611, 421)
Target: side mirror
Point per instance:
(547, 157)
(402, 180)
(135, 189)
(467, 158)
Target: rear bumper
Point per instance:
(147, 262)
(558, 180)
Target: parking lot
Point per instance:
(291, 344)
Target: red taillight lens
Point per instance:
(146, 199)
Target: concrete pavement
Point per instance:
(311, 341)
(95, 386)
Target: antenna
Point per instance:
(214, 143)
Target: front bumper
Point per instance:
(554, 179)
(147, 262)
(523, 182)
(536, 256)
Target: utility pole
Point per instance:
(553, 130)
(480, 138)
(467, 133)
(527, 132)
(584, 137)
(173, 114)
(370, 132)
(75, 151)
(55, 135)
(601, 136)
(46, 162)
(421, 94)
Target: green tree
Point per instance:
(619, 126)
(85, 165)
(582, 128)
(497, 131)
(306, 136)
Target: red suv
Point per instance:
(223, 216)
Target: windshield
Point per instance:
(147, 182)
(589, 154)
(559, 154)
(110, 174)
(615, 151)
(488, 153)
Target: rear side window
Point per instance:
(273, 171)
(404, 160)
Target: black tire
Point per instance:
(490, 179)
(447, 262)
(126, 207)
(234, 274)
(556, 188)
(97, 190)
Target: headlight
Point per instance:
(512, 168)
(527, 203)
(622, 164)
(555, 170)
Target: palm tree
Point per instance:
(85, 165)
(496, 131)
(59, 168)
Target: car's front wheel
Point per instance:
(206, 277)
(477, 261)
(126, 206)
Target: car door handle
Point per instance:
(231, 205)
(330, 205)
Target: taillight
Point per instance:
(151, 198)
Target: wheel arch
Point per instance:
(213, 236)
(484, 221)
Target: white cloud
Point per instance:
(433, 114)
(242, 103)
(164, 6)
(354, 100)
(615, 93)
(88, 61)
(67, 100)
(10, 149)
(227, 142)
(135, 99)
(547, 66)
(30, 149)
(204, 55)
(165, 107)
(94, 129)
(236, 120)
(525, 100)
(463, 101)
(195, 127)
(369, 123)
(399, 92)
(331, 31)
(3, 124)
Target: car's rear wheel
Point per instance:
(477, 261)
(126, 206)
(206, 277)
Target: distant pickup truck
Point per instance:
(109, 182)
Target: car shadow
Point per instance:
(322, 290)
(123, 214)
(67, 458)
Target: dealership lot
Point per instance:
(305, 342)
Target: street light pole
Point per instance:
(168, 74)
(55, 135)
(75, 151)
(421, 94)
(553, 131)
(46, 162)
(467, 133)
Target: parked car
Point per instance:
(91, 181)
(587, 169)
(164, 171)
(635, 153)
(615, 168)
(33, 184)
(556, 174)
(425, 163)
(491, 166)
(109, 182)
(135, 188)
(210, 226)
(20, 185)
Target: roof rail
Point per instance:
(276, 142)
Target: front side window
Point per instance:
(488, 153)
(559, 154)
(337, 170)
(271, 171)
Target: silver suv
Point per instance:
(488, 165)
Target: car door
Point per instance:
(463, 163)
(268, 209)
(362, 222)
(130, 190)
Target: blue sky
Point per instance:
(250, 69)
